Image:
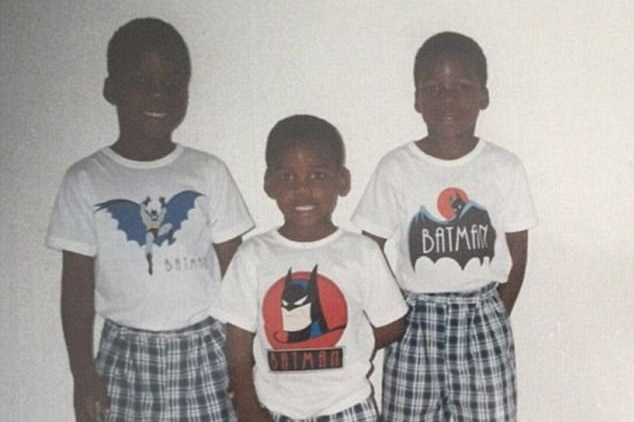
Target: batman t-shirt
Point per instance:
(311, 306)
(448, 218)
(150, 226)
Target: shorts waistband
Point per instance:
(471, 296)
(138, 332)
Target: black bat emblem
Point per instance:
(468, 235)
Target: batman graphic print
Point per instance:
(305, 314)
(151, 222)
(464, 235)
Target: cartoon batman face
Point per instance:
(302, 315)
(296, 306)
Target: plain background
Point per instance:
(562, 98)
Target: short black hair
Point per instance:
(446, 44)
(145, 35)
(304, 129)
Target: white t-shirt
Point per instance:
(448, 218)
(310, 305)
(150, 226)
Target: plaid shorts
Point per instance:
(365, 411)
(456, 360)
(160, 376)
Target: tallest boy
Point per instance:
(147, 226)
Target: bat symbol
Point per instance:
(151, 222)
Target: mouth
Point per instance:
(447, 118)
(155, 114)
(304, 208)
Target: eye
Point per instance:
(430, 89)
(174, 86)
(138, 82)
(285, 177)
(300, 301)
(464, 87)
(318, 175)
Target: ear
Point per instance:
(268, 188)
(109, 91)
(484, 99)
(343, 182)
(417, 105)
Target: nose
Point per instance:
(449, 94)
(301, 185)
(156, 90)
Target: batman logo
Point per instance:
(151, 221)
(467, 234)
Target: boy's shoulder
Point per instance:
(89, 161)
(195, 154)
(498, 154)
(400, 152)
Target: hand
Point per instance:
(90, 399)
(259, 415)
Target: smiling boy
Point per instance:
(308, 303)
(123, 217)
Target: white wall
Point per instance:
(562, 98)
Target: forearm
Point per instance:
(388, 333)
(78, 313)
(225, 252)
(240, 361)
(509, 291)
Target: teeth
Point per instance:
(304, 208)
(155, 115)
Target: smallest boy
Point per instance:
(307, 304)
(458, 208)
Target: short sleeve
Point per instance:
(384, 301)
(72, 226)
(238, 300)
(229, 214)
(377, 211)
(519, 211)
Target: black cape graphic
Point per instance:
(468, 235)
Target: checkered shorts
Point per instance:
(165, 376)
(365, 411)
(456, 360)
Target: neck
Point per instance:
(307, 235)
(143, 150)
(447, 149)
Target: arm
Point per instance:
(393, 331)
(240, 361)
(518, 245)
(78, 314)
(388, 333)
(225, 252)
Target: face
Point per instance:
(305, 183)
(449, 96)
(151, 99)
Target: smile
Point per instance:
(155, 114)
(304, 208)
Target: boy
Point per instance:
(309, 303)
(458, 209)
(146, 227)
